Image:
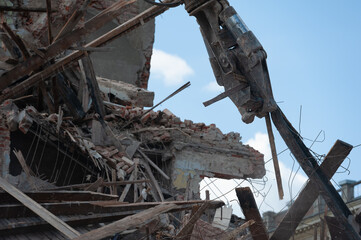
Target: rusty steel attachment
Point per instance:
(237, 57)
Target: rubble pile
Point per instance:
(81, 152)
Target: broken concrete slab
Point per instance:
(125, 93)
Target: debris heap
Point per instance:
(81, 152)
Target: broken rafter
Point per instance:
(73, 20)
(93, 85)
(274, 156)
(35, 62)
(188, 228)
(122, 29)
(250, 211)
(157, 193)
(107, 184)
(309, 193)
(234, 233)
(314, 172)
(48, 13)
(153, 164)
(17, 40)
(127, 222)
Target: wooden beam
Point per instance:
(186, 231)
(155, 189)
(107, 184)
(119, 31)
(85, 207)
(48, 14)
(17, 40)
(250, 211)
(27, 170)
(274, 156)
(93, 85)
(153, 164)
(225, 94)
(59, 196)
(70, 98)
(94, 186)
(314, 172)
(234, 233)
(310, 192)
(39, 210)
(35, 62)
(29, 224)
(11, 47)
(93, 49)
(126, 189)
(73, 20)
(127, 222)
(23, 9)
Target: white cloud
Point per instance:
(170, 68)
(272, 201)
(213, 87)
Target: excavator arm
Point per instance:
(237, 58)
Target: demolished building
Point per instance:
(78, 142)
(80, 154)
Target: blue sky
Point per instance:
(313, 52)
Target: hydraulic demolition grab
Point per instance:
(239, 64)
(237, 58)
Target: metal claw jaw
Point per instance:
(237, 58)
(252, 63)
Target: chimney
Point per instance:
(347, 190)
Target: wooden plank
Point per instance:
(70, 98)
(86, 207)
(274, 156)
(94, 186)
(77, 220)
(59, 196)
(73, 20)
(225, 94)
(93, 85)
(126, 189)
(153, 164)
(234, 233)
(23, 9)
(93, 49)
(83, 92)
(85, 185)
(250, 211)
(17, 40)
(48, 14)
(186, 231)
(127, 222)
(35, 62)
(119, 31)
(135, 185)
(11, 47)
(39, 210)
(27, 170)
(159, 196)
(310, 192)
(114, 179)
(314, 172)
(46, 97)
